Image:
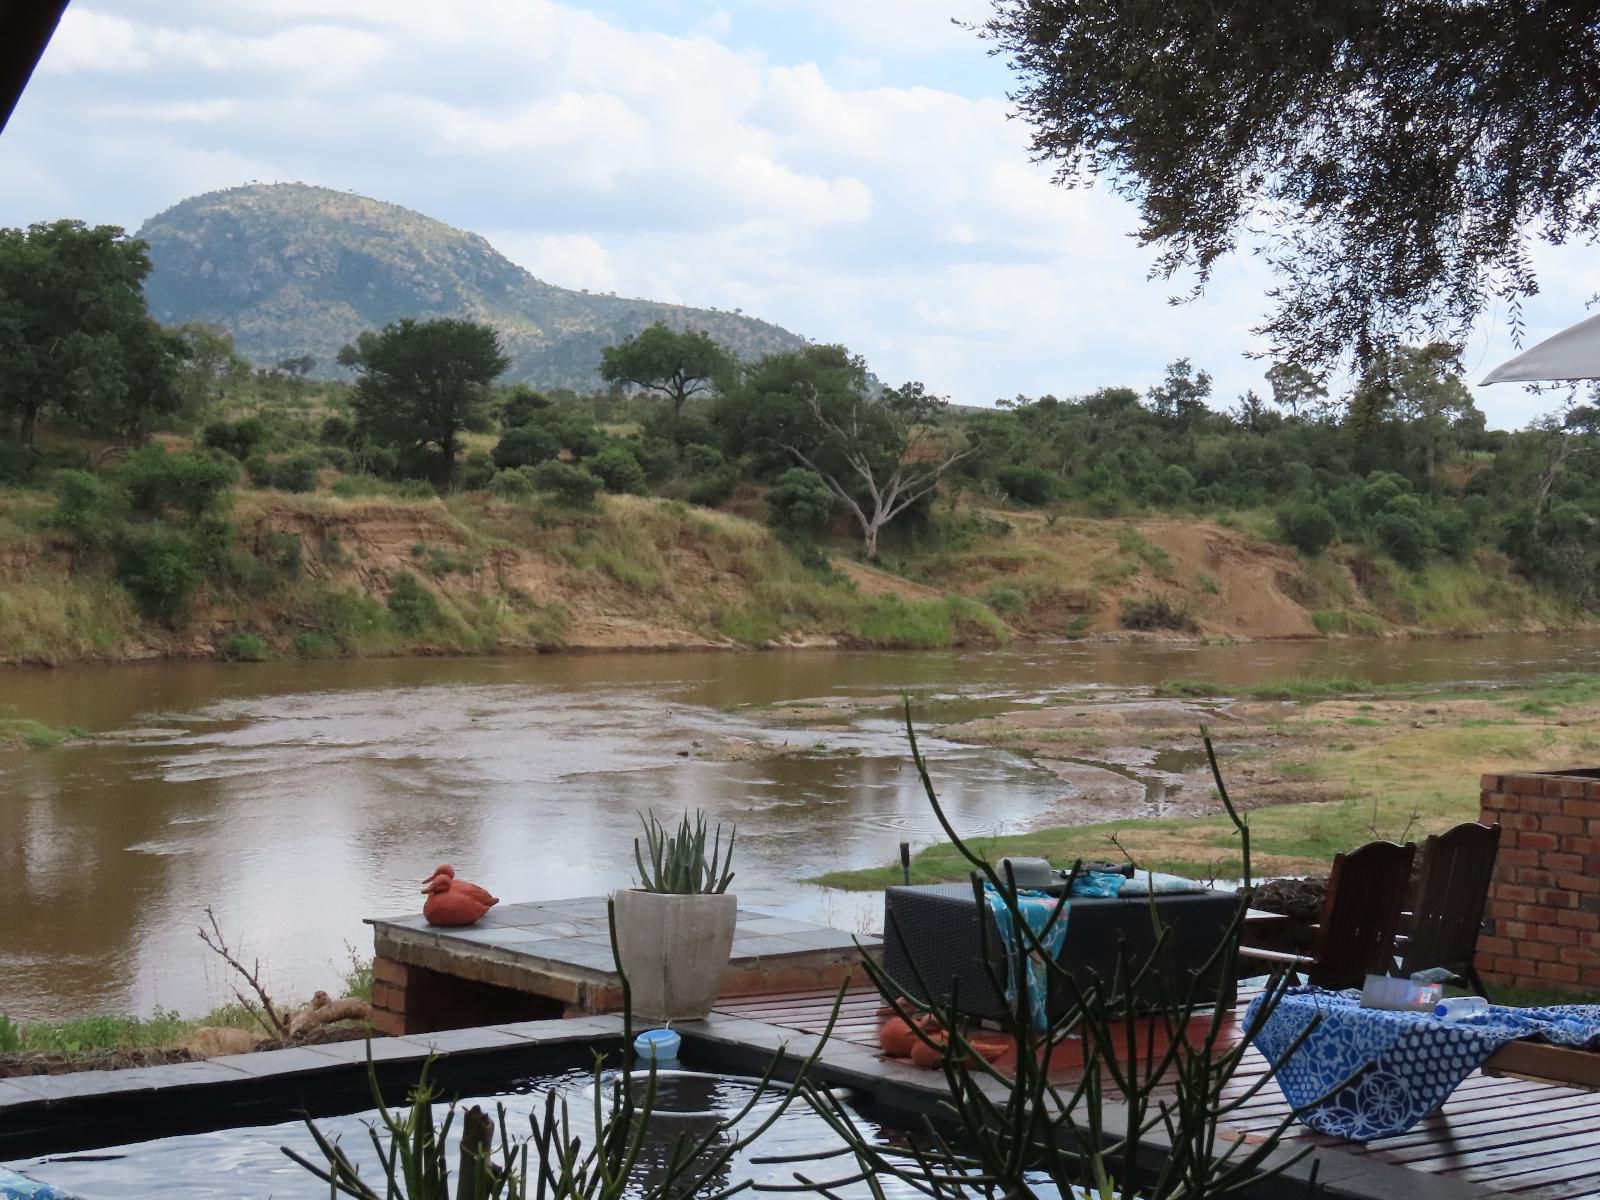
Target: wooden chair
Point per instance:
(1457, 866)
(1355, 936)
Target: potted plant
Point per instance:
(675, 929)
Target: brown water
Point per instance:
(298, 798)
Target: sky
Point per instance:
(845, 168)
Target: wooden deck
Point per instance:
(1535, 1141)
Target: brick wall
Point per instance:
(410, 999)
(1544, 902)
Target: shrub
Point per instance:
(16, 463)
(1152, 611)
(525, 446)
(1308, 527)
(296, 473)
(1027, 485)
(313, 643)
(240, 439)
(1382, 489)
(510, 485)
(282, 551)
(571, 484)
(1006, 600)
(1452, 530)
(415, 609)
(416, 489)
(191, 483)
(336, 431)
(657, 456)
(618, 470)
(90, 508)
(697, 458)
(475, 472)
(799, 501)
(1403, 538)
(242, 647)
(713, 488)
(160, 571)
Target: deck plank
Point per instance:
(1534, 1140)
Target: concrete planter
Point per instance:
(674, 950)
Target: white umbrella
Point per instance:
(1571, 354)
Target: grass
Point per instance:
(21, 731)
(1288, 688)
(1398, 778)
(162, 1030)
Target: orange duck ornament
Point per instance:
(454, 902)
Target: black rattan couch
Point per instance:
(931, 931)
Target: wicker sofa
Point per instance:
(931, 936)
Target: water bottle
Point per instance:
(1461, 1008)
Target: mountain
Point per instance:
(290, 269)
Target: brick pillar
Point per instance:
(1544, 902)
(411, 999)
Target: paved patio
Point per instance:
(553, 958)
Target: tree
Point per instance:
(420, 384)
(1393, 155)
(658, 359)
(210, 366)
(879, 454)
(75, 336)
(1180, 398)
(1417, 389)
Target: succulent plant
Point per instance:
(678, 864)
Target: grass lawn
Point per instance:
(1398, 764)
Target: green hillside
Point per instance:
(290, 269)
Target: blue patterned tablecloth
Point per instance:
(1366, 1073)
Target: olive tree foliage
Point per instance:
(76, 339)
(658, 359)
(878, 451)
(1393, 159)
(421, 384)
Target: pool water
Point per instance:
(248, 1162)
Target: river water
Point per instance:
(296, 798)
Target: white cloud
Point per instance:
(906, 221)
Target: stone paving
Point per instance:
(560, 950)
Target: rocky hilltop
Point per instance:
(291, 269)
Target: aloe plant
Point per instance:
(678, 864)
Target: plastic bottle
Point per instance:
(1460, 1008)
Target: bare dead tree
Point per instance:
(919, 460)
(262, 1008)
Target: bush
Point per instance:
(1453, 531)
(1027, 485)
(475, 472)
(619, 470)
(526, 446)
(296, 473)
(1382, 489)
(1152, 611)
(240, 439)
(1308, 527)
(1006, 600)
(337, 431)
(90, 508)
(416, 489)
(571, 484)
(282, 551)
(799, 501)
(16, 463)
(712, 488)
(511, 485)
(242, 647)
(160, 570)
(1403, 538)
(191, 483)
(313, 643)
(697, 458)
(415, 609)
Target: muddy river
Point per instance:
(297, 798)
